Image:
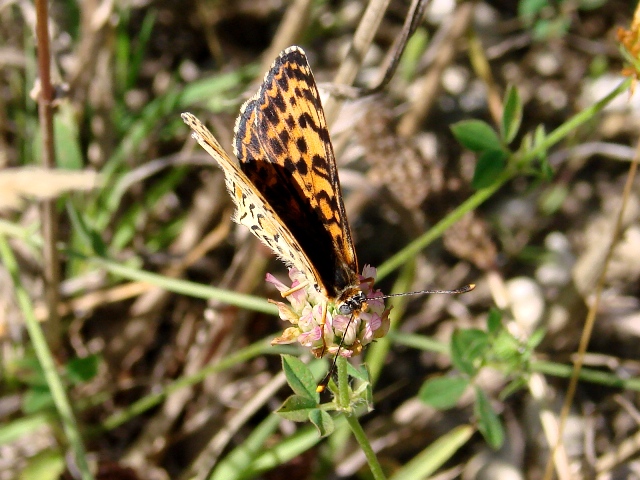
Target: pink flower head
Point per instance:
(343, 334)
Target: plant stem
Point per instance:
(343, 384)
(362, 439)
(574, 122)
(183, 287)
(48, 207)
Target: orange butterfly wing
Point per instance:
(283, 145)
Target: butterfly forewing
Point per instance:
(284, 149)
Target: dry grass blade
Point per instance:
(18, 184)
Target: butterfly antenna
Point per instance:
(465, 289)
(325, 381)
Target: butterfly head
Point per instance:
(351, 301)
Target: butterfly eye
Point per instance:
(345, 309)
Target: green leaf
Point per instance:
(507, 350)
(546, 170)
(297, 408)
(476, 135)
(323, 422)
(415, 48)
(536, 337)
(513, 387)
(84, 234)
(443, 392)
(494, 321)
(527, 143)
(37, 399)
(545, 29)
(17, 428)
(361, 389)
(467, 349)
(511, 116)
(553, 198)
(139, 51)
(80, 370)
(489, 424)
(65, 132)
(361, 372)
(491, 164)
(299, 377)
(44, 465)
(29, 371)
(538, 139)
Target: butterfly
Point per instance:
(285, 184)
(286, 190)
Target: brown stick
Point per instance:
(49, 218)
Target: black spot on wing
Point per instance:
(272, 116)
(319, 167)
(283, 83)
(284, 137)
(289, 167)
(290, 121)
(278, 101)
(301, 143)
(302, 167)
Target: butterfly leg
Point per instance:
(325, 381)
(300, 286)
(323, 323)
(369, 281)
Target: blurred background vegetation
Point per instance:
(171, 378)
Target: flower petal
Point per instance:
(290, 335)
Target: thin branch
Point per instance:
(48, 207)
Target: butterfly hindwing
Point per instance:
(253, 210)
(283, 145)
